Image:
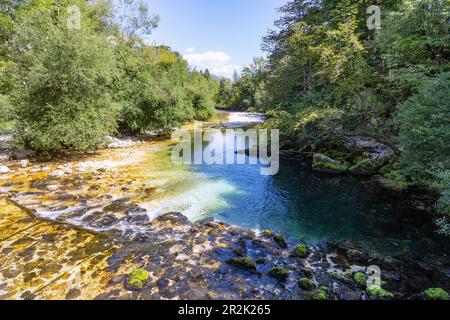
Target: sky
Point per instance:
(221, 35)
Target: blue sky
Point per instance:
(222, 35)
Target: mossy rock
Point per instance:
(360, 278)
(387, 169)
(301, 251)
(243, 263)
(325, 164)
(436, 294)
(366, 167)
(379, 293)
(321, 295)
(279, 273)
(306, 284)
(267, 234)
(138, 278)
(308, 273)
(280, 240)
(343, 277)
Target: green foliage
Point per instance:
(442, 185)
(61, 93)
(72, 88)
(425, 130)
(436, 294)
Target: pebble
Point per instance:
(24, 163)
(4, 169)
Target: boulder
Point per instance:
(376, 155)
(322, 163)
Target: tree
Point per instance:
(424, 130)
(61, 88)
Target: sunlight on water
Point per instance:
(196, 203)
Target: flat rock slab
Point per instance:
(37, 257)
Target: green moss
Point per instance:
(140, 274)
(343, 277)
(330, 166)
(360, 278)
(267, 234)
(321, 295)
(137, 278)
(308, 273)
(306, 284)
(280, 240)
(436, 294)
(387, 169)
(243, 263)
(301, 251)
(279, 273)
(135, 284)
(395, 180)
(379, 293)
(366, 166)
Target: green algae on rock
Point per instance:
(308, 273)
(306, 284)
(360, 278)
(322, 163)
(279, 273)
(138, 278)
(379, 293)
(301, 251)
(436, 294)
(242, 262)
(280, 240)
(267, 234)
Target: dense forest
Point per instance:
(328, 77)
(68, 88)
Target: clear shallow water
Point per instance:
(300, 203)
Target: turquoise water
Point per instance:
(314, 207)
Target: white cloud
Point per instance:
(190, 50)
(217, 62)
